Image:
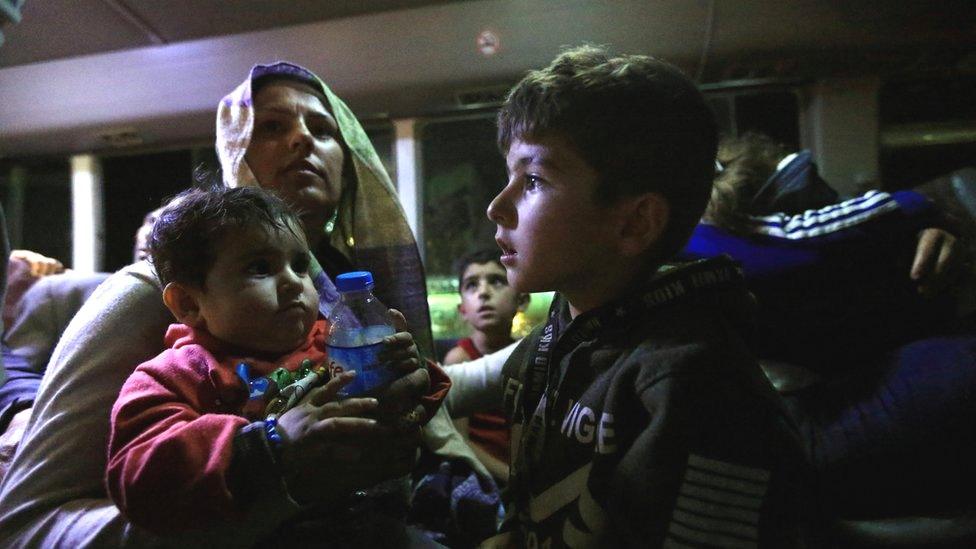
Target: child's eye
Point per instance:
(498, 280)
(301, 263)
(259, 267)
(532, 182)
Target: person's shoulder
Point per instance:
(187, 362)
(456, 355)
(140, 273)
(69, 283)
(680, 330)
(704, 372)
(686, 348)
(836, 221)
(124, 317)
(131, 284)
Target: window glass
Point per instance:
(36, 195)
(928, 128)
(382, 136)
(134, 185)
(462, 171)
(775, 113)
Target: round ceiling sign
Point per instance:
(488, 43)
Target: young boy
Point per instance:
(639, 416)
(192, 429)
(488, 305)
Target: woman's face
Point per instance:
(295, 150)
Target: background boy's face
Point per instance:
(487, 301)
(259, 294)
(551, 231)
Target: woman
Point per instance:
(283, 129)
(850, 291)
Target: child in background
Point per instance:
(488, 305)
(639, 416)
(190, 444)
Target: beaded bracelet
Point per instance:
(271, 432)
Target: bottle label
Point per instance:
(371, 374)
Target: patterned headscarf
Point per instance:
(370, 229)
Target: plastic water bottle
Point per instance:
(358, 325)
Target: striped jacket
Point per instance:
(833, 284)
(656, 426)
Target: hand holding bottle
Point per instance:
(323, 433)
(359, 326)
(368, 338)
(400, 350)
(400, 402)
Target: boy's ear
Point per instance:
(183, 303)
(523, 302)
(645, 217)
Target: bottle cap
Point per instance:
(354, 281)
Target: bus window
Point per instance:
(928, 128)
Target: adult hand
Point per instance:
(400, 403)
(40, 265)
(937, 255)
(399, 349)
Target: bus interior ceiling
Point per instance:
(880, 91)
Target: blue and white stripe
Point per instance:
(833, 218)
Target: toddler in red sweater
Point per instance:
(239, 406)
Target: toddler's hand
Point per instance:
(320, 434)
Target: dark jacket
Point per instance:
(652, 422)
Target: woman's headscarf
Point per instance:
(371, 228)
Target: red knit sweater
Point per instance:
(174, 423)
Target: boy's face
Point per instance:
(551, 230)
(488, 303)
(259, 294)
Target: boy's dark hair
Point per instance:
(184, 239)
(478, 256)
(638, 121)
